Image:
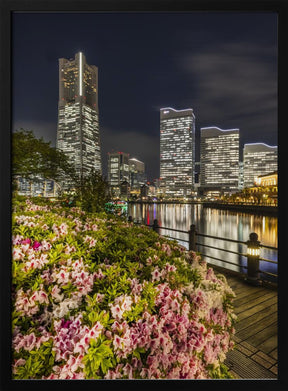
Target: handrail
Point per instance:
(220, 238)
(221, 249)
(253, 256)
(169, 229)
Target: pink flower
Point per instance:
(55, 293)
(26, 241)
(116, 311)
(17, 254)
(36, 245)
(156, 274)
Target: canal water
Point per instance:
(215, 222)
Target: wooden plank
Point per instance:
(263, 335)
(269, 345)
(248, 346)
(234, 282)
(266, 357)
(246, 368)
(259, 311)
(255, 327)
(248, 324)
(245, 296)
(244, 350)
(247, 290)
(262, 361)
(274, 353)
(251, 300)
(256, 317)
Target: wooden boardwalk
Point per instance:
(256, 342)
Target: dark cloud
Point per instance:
(235, 83)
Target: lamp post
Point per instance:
(253, 254)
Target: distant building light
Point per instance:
(80, 75)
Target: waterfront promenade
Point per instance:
(256, 342)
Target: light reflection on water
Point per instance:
(214, 222)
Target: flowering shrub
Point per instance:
(95, 297)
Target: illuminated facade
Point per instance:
(259, 159)
(267, 179)
(137, 173)
(219, 159)
(118, 168)
(78, 115)
(177, 152)
(37, 187)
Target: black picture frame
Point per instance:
(10, 6)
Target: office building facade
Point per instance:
(78, 114)
(258, 159)
(137, 176)
(118, 168)
(219, 159)
(177, 152)
(37, 187)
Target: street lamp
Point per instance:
(253, 254)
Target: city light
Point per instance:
(80, 73)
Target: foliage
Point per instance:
(96, 297)
(33, 158)
(92, 192)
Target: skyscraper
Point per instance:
(258, 159)
(219, 159)
(137, 173)
(78, 115)
(177, 151)
(118, 168)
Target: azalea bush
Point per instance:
(95, 297)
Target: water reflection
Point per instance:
(214, 222)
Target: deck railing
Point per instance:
(252, 254)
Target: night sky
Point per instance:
(223, 65)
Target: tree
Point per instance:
(32, 158)
(93, 192)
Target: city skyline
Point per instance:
(201, 60)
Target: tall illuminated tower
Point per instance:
(177, 152)
(219, 159)
(78, 115)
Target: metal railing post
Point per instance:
(192, 237)
(253, 254)
(155, 226)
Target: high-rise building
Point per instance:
(137, 173)
(241, 175)
(259, 159)
(219, 159)
(118, 168)
(78, 115)
(177, 152)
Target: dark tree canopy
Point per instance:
(35, 159)
(32, 157)
(93, 192)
